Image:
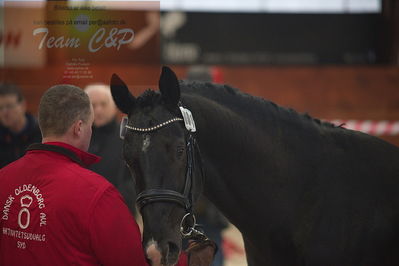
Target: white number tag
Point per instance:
(188, 119)
(122, 129)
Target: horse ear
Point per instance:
(169, 87)
(121, 94)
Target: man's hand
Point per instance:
(201, 253)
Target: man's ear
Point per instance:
(77, 128)
(169, 87)
(123, 99)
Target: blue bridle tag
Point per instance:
(188, 119)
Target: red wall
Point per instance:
(329, 92)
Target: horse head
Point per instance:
(159, 149)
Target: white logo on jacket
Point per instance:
(29, 211)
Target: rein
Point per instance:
(185, 199)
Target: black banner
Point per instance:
(276, 39)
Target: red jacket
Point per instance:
(56, 212)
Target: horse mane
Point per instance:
(234, 98)
(148, 98)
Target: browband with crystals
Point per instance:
(187, 118)
(149, 129)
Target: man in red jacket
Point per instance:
(53, 210)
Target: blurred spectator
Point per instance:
(105, 142)
(18, 129)
(208, 216)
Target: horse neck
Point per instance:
(233, 151)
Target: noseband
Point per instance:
(184, 199)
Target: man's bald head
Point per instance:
(103, 104)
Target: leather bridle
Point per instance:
(184, 199)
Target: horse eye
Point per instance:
(180, 151)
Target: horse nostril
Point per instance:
(173, 251)
(173, 248)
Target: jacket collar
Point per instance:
(83, 158)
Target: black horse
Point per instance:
(301, 191)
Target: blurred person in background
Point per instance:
(106, 143)
(208, 216)
(18, 129)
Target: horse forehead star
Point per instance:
(146, 142)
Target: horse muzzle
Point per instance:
(165, 253)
